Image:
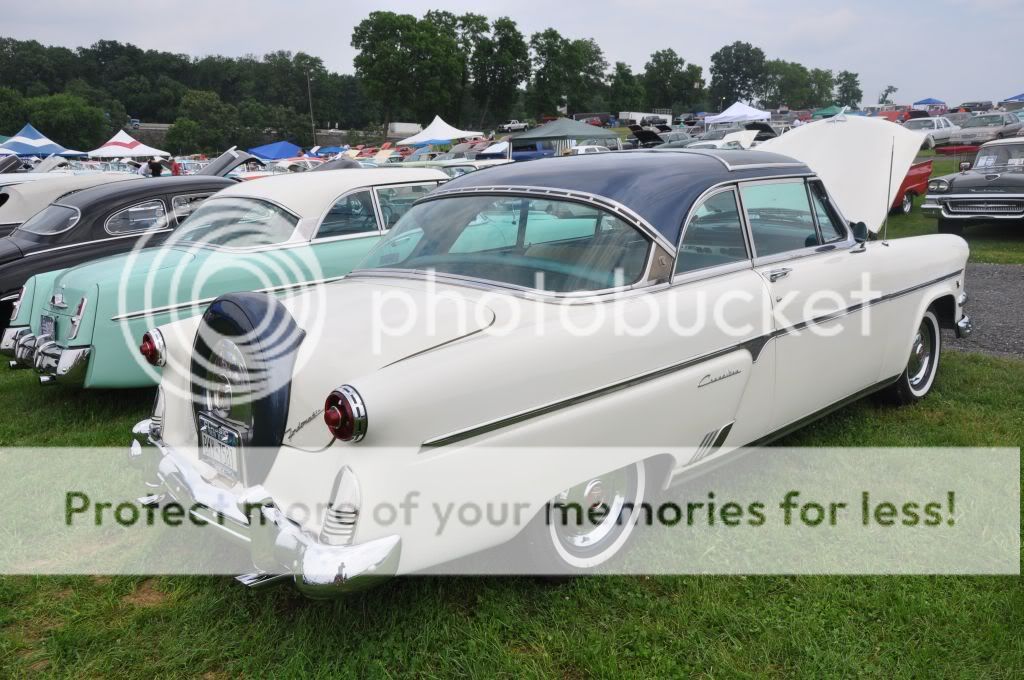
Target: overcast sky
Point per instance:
(954, 50)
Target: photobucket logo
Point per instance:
(736, 306)
(171, 285)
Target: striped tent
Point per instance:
(31, 142)
(123, 145)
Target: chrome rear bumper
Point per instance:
(279, 546)
(51, 361)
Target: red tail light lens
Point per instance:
(345, 414)
(152, 348)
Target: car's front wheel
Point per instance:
(918, 377)
(589, 525)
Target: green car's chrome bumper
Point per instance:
(51, 361)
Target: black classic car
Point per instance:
(990, 189)
(105, 220)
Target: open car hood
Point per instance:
(861, 160)
(228, 161)
(51, 162)
(745, 138)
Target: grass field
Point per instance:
(611, 626)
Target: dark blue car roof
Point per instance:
(658, 185)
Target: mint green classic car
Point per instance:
(276, 235)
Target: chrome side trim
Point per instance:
(595, 200)
(710, 153)
(206, 301)
(752, 345)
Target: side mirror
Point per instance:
(965, 166)
(860, 231)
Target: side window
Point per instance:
(713, 236)
(396, 201)
(142, 217)
(780, 217)
(828, 220)
(350, 214)
(183, 206)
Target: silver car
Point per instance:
(986, 127)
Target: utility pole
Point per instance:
(309, 92)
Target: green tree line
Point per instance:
(470, 69)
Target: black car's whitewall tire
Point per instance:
(557, 547)
(918, 377)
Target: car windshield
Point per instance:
(53, 219)
(551, 245)
(237, 222)
(918, 124)
(984, 121)
(1001, 156)
(718, 134)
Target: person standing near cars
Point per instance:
(155, 167)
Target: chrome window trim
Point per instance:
(315, 238)
(163, 205)
(78, 218)
(703, 198)
(798, 253)
(548, 193)
(204, 196)
(828, 204)
(87, 243)
(376, 196)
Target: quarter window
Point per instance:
(350, 214)
(780, 217)
(183, 206)
(142, 217)
(396, 201)
(713, 236)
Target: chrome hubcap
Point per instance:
(908, 204)
(920, 356)
(591, 513)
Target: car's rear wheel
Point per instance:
(918, 377)
(950, 227)
(589, 525)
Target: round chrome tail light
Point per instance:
(345, 414)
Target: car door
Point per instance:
(728, 398)
(805, 255)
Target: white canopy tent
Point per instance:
(738, 113)
(123, 145)
(438, 132)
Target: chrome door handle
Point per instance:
(776, 274)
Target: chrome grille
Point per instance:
(339, 525)
(986, 206)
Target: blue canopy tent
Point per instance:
(930, 102)
(1016, 98)
(31, 142)
(275, 151)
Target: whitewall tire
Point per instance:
(918, 377)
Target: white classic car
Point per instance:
(938, 130)
(523, 257)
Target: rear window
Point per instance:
(53, 219)
(237, 222)
(541, 244)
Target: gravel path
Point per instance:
(996, 307)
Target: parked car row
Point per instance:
(255, 312)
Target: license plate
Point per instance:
(218, 446)
(47, 326)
